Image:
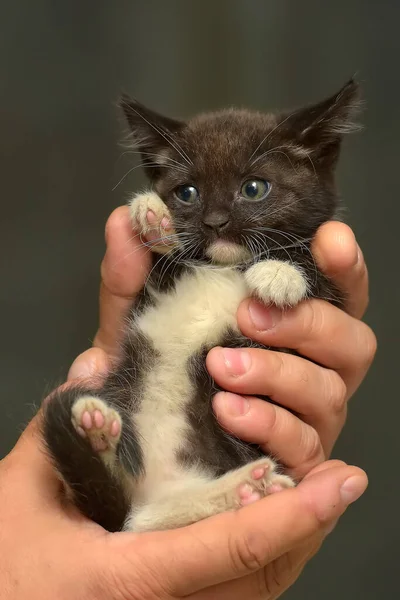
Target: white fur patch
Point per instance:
(227, 253)
(195, 314)
(193, 499)
(277, 282)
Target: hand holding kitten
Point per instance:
(197, 562)
(50, 551)
(318, 393)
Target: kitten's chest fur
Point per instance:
(192, 316)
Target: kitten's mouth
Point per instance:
(227, 253)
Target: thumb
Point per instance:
(234, 544)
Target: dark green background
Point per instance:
(62, 66)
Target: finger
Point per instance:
(306, 329)
(315, 393)
(91, 363)
(339, 256)
(124, 269)
(264, 584)
(269, 582)
(31, 475)
(232, 545)
(278, 432)
(329, 464)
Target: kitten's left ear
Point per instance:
(151, 132)
(320, 127)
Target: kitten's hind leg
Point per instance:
(95, 420)
(189, 502)
(83, 435)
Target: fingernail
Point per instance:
(352, 489)
(235, 406)
(237, 362)
(263, 318)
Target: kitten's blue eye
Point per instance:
(187, 193)
(255, 189)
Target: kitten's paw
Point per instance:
(95, 420)
(260, 479)
(153, 220)
(277, 282)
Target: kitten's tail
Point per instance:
(96, 491)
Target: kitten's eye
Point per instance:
(255, 189)
(187, 193)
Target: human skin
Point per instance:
(50, 551)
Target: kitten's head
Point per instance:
(239, 182)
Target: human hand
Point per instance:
(51, 551)
(341, 344)
(318, 395)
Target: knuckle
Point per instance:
(277, 364)
(247, 553)
(335, 392)
(313, 318)
(312, 445)
(278, 576)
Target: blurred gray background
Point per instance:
(63, 65)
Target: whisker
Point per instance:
(269, 134)
(275, 151)
(162, 158)
(297, 243)
(134, 169)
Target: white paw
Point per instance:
(277, 282)
(151, 217)
(95, 420)
(259, 479)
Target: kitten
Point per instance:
(236, 199)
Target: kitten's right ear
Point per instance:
(151, 132)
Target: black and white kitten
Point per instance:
(236, 198)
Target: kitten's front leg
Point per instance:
(152, 218)
(277, 282)
(188, 503)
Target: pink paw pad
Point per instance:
(152, 220)
(93, 425)
(259, 472)
(248, 495)
(272, 489)
(98, 419)
(115, 429)
(166, 223)
(87, 422)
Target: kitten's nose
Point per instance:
(216, 221)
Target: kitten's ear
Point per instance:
(319, 128)
(151, 132)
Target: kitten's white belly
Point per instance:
(195, 314)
